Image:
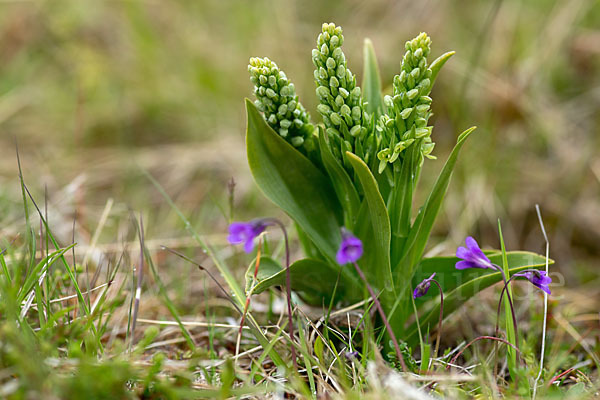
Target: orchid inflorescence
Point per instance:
(349, 184)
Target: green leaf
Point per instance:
(459, 286)
(400, 204)
(371, 84)
(419, 233)
(342, 184)
(293, 183)
(313, 279)
(438, 63)
(377, 245)
(38, 270)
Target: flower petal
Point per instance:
(249, 245)
(466, 264)
(462, 252)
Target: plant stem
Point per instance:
(510, 302)
(383, 317)
(439, 331)
(274, 221)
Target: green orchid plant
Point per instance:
(359, 169)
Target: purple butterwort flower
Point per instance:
(538, 278)
(472, 256)
(350, 249)
(245, 232)
(423, 287)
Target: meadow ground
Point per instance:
(130, 113)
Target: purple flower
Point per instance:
(245, 232)
(472, 256)
(538, 278)
(350, 249)
(423, 287)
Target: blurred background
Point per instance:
(95, 91)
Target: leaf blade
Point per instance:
(419, 233)
(293, 183)
(379, 243)
(371, 83)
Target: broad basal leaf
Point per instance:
(293, 183)
(419, 233)
(344, 188)
(378, 244)
(313, 279)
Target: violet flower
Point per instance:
(537, 278)
(246, 232)
(472, 256)
(351, 248)
(423, 287)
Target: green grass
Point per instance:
(96, 92)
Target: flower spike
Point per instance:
(276, 97)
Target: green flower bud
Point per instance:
(324, 109)
(335, 41)
(282, 109)
(330, 63)
(411, 94)
(406, 113)
(322, 93)
(297, 141)
(355, 130)
(345, 110)
(335, 119)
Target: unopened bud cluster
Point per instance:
(346, 122)
(408, 110)
(276, 97)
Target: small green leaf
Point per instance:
(37, 271)
(419, 233)
(293, 183)
(438, 63)
(342, 184)
(378, 244)
(371, 84)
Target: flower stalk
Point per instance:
(246, 232)
(421, 290)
